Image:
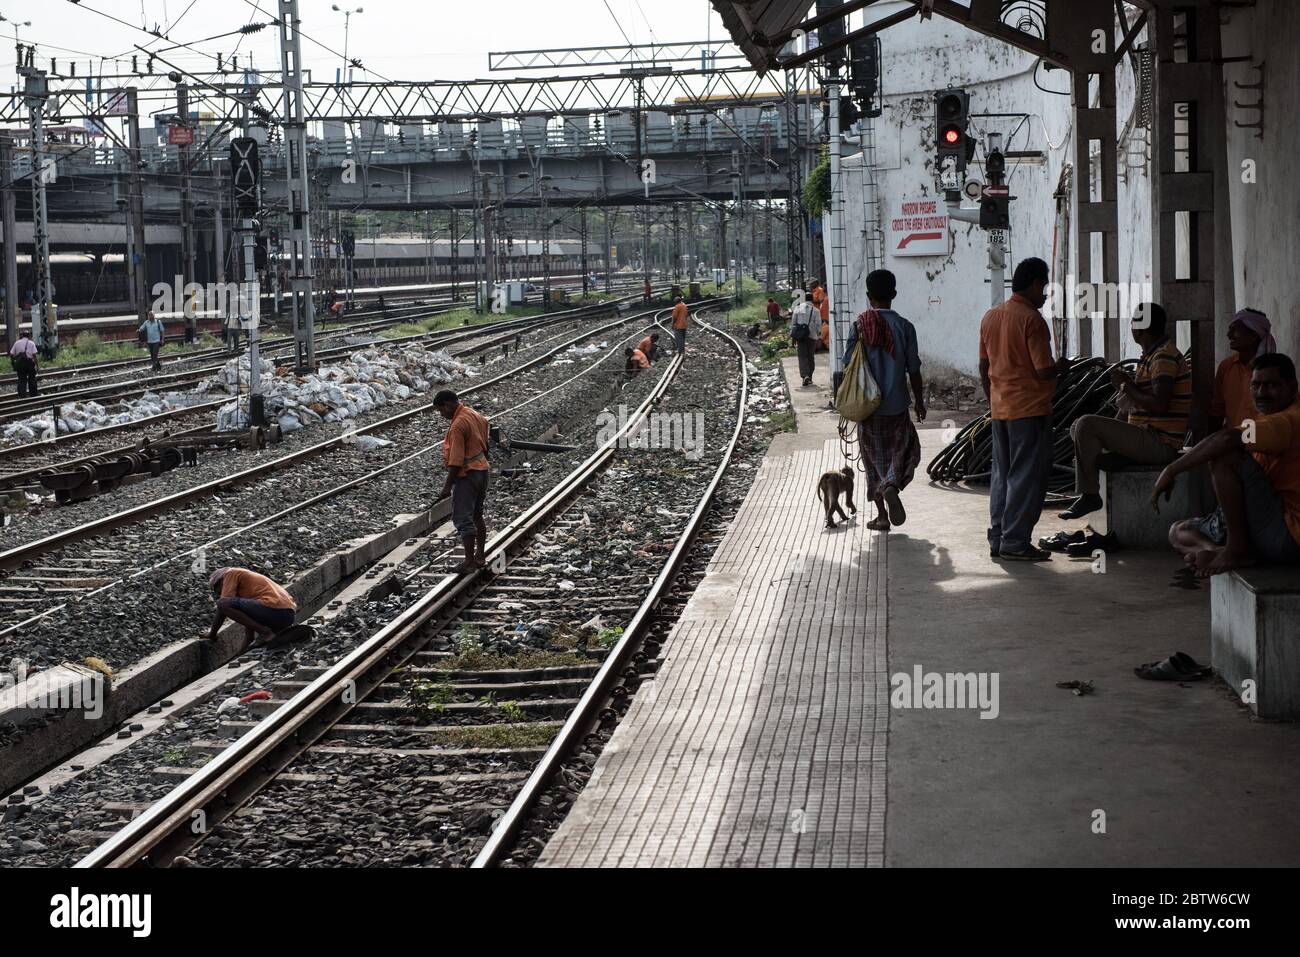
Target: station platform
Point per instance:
(768, 737)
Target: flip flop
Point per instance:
(1191, 665)
(1172, 669)
(894, 506)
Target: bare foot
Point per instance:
(1217, 560)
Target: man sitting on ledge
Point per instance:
(1158, 401)
(1256, 472)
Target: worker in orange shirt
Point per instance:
(464, 452)
(649, 346)
(680, 314)
(823, 304)
(636, 361)
(254, 601)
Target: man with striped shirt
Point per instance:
(1158, 401)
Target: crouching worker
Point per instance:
(1255, 468)
(254, 601)
(649, 346)
(636, 361)
(464, 452)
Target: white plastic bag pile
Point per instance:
(81, 416)
(366, 379)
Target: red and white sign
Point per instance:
(918, 227)
(180, 135)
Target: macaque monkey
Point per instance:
(829, 488)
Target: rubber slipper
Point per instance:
(1168, 670)
(1190, 665)
(894, 506)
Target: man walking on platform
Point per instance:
(1019, 377)
(805, 330)
(891, 449)
(153, 330)
(464, 452)
(22, 355)
(680, 314)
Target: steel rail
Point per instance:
(440, 336)
(14, 557)
(186, 814)
(595, 698)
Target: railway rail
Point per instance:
(23, 464)
(61, 574)
(568, 700)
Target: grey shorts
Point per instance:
(467, 497)
(1270, 538)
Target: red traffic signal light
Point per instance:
(951, 135)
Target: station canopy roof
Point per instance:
(761, 27)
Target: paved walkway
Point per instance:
(762, 741)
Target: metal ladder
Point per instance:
(873, 239)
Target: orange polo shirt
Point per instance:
(1232, 399)
(1277, 450)
(680, 313)
(465, 445)
(645, 345)
(241, 583)
(639, 360)
(1015, 340)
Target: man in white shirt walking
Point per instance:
(22, 355)
(153, 330)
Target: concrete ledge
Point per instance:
(1129, 515)
(136, 687)
(1255, 636)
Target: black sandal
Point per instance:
(1177, 667)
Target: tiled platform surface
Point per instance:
(762, 740)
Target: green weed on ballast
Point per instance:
(777, 347)
(608, 637)
(496, 736)
(430, 698)
(174, 756)
(89, 347)
(486, 661)
(782, 422)
(456, 319)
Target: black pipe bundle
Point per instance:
(1085, 389)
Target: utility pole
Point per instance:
(677, 242)
(770, 277)
(454, 228)
(135, 208)
(7, 200)
(609, 251)
(737, 210)
(479, 285)
(299, 186)
(582, 230)
(187, 212)
(44, 333)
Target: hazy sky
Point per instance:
(400, 39)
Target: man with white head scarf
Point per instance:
(1249, 336)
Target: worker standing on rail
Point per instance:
(254, 601)
(464, 452)
(680, 314)
(649, 346)
(153, 330)
(22, 356)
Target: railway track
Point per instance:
(446, 686)
(54, 570)
(22, 464)
(119, 381)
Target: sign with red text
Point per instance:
(918, 227)
(180, 135)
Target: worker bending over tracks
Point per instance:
(464, 452)
(254, 601)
